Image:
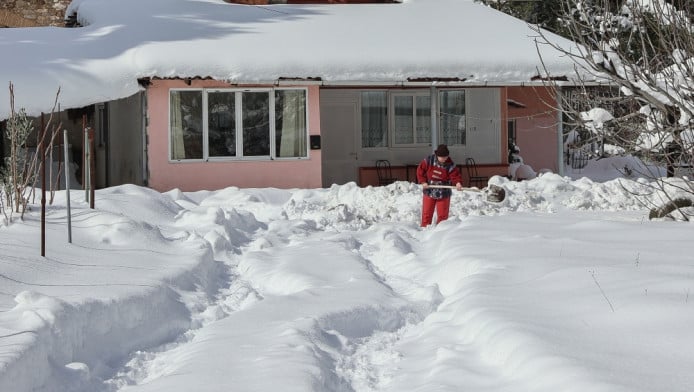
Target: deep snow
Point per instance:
(564, 286)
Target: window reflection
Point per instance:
(221, 124)
(256, 123)
(186, 124)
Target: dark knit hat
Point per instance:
(442, 151)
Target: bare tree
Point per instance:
(19, 174)
(643, 51)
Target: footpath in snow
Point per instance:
(564, 286)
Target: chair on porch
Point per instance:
(473, 176)
(384, 172)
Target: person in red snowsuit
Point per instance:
(437, 169)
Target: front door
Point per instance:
(484, 125)
(338, 124)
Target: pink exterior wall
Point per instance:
(536, 126)
(165, 175)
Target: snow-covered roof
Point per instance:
(124, 40)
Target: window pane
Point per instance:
(221, 124)
(374, 119)
(452, 116)
(186, 124)
(256, 123)
(290, 123)
(404, 116)
(423, 119)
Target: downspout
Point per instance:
(560, 132)
(434, 118)
(145, 139)
(105, 140)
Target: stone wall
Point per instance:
(22, 13)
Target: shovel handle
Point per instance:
(453, 187)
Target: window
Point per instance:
(186, 124)
(215, 124)
(411, 118)
(221, 124)
(256, 123)
(452, 116)
(374, 119)
(410, 122)
(290, 123)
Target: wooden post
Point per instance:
(85, 164)
(92, 167)
(84, 153)
(67, 186)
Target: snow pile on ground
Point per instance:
(565, 285)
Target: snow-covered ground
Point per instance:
(564, 286)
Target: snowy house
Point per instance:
(204, 95)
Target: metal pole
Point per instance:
(42, 156)
(67, 186)
(560, 131)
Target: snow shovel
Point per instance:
(494, 193)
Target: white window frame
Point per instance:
(238, 106)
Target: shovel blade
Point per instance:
(495, 194)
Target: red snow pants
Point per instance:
(430, 204)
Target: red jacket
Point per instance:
(433, 172)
